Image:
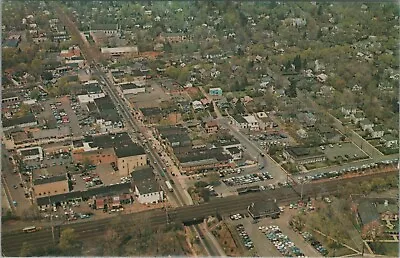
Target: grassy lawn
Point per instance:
(387, 151)
(316, 165)
(389, 249)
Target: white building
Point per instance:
(84, 99)
(252, 123)
(197, 105)
(131, 88)
(147, 190)
(235, 152)
(31, 153)
(119, 51)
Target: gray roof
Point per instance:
(196, 155)
(234, 150)
(300, 152)
(239, 119)
(130, 150)
(48, 180)
(144, 180)
(34, 151)
(367, 212)
(29, 118)
(263, 208)
(104, 26)
(108, 190)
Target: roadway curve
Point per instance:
(12, 242)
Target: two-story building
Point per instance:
(146, 187)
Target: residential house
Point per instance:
(215, 91)
(377, 131)
(366, 125)
(389, 140)
(348, 110)
(197, 105)
(322, 77)
(357, 117)
(211, 127)
(146, 187)
(302, 155)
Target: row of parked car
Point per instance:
(281, 242)
(247, 179)
(248, 243)
(316, 244)
(353, 169)
(59, 114)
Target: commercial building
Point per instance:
(34, 153)
(119, 51)
(302, 155)
(102, 191)
(261, 209)
(49, 186)
(252, 123)
(24, 121)
(146, 188)
(129, 156)
(201, 159)
(96, 157)
(131, 88)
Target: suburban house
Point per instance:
(348, 110)
(129, 156)
(377, 131)
(211, 126)
(389, 140)
(357, 117)
(197, 105)
(366, 124)
(215, 92)
(302, 155)
(146, 188)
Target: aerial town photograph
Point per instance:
(200, 128)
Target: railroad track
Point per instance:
(13, 241)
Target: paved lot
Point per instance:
(264, 247)
(344, 151)
(261, 244)
(152, 98)
(107, 174)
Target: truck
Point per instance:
(169, 186)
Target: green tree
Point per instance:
(35, 94)
(69, 244)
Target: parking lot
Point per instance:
(153, 96)
(346, 151)
(63, 111)
(267, 248)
